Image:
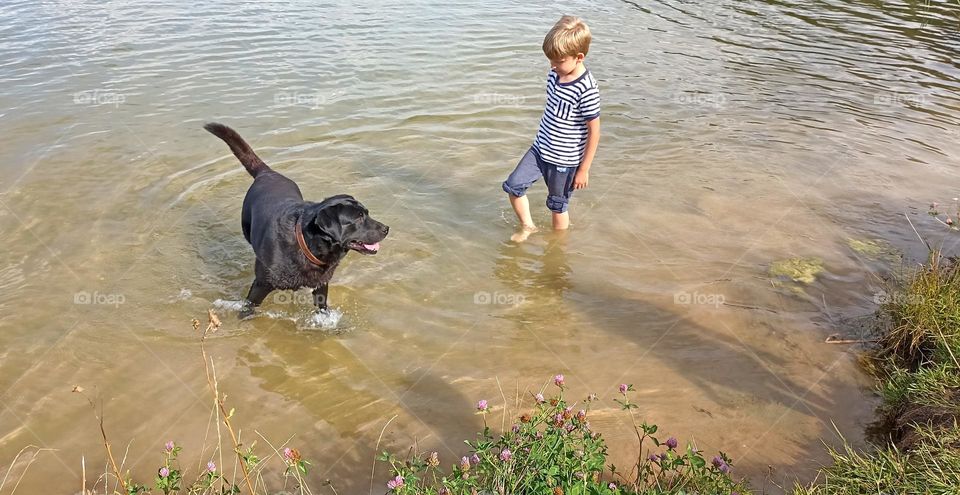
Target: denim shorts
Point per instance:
(559, 180)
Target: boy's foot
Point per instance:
(524, 233)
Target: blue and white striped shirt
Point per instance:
(562, 137)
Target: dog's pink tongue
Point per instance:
(372, 247)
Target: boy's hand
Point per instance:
(581, 179)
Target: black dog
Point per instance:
(298, 243)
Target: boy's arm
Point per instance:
(593, 140)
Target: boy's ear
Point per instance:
(580, 57)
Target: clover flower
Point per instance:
(671, 443)
(623, 388)
(505, 455)
(539, 398)
(482, 406)
(164, 472)
(721, 464)
(558, 380)
(169, 446)
(211, 467)
(395, 483)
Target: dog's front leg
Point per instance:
(258, 292)
(320, 296)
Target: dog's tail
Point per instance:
(239, 147)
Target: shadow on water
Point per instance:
(542, 276)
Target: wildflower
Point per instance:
(395, 483)
(569, 427)
(612, 486)
(623, 388)
(721, 464)
(671, 443)
(211, 467)
(539, 436)
(475, 459)
(169, 446)
(558, 380)
(465, 463)
(164, 472)
(505, 455)
(291, 455)
(653, 458)
(539, 398)
(525, 418)
(434, 459)
(515, 428)
(482, 406)
(558, 420)
(557, 490)
(568, 413)
(582, 415)
(444, 491)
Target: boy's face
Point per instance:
(567, 64)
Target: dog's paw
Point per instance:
(246, 313)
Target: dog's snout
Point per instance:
(385, 229)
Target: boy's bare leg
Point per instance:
(561, 221)
(522, 208)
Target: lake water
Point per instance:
(735, 134)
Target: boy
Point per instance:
(569, 129)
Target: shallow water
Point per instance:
(735, 135)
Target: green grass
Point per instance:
(916, 364)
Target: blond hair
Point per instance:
(568, 37)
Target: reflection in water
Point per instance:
(537, 277)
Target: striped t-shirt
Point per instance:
(562, 136)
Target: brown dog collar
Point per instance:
(303, 246)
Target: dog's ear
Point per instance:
(326, 224)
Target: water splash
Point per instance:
(326, 319)
(311, 319)
(228, 305)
